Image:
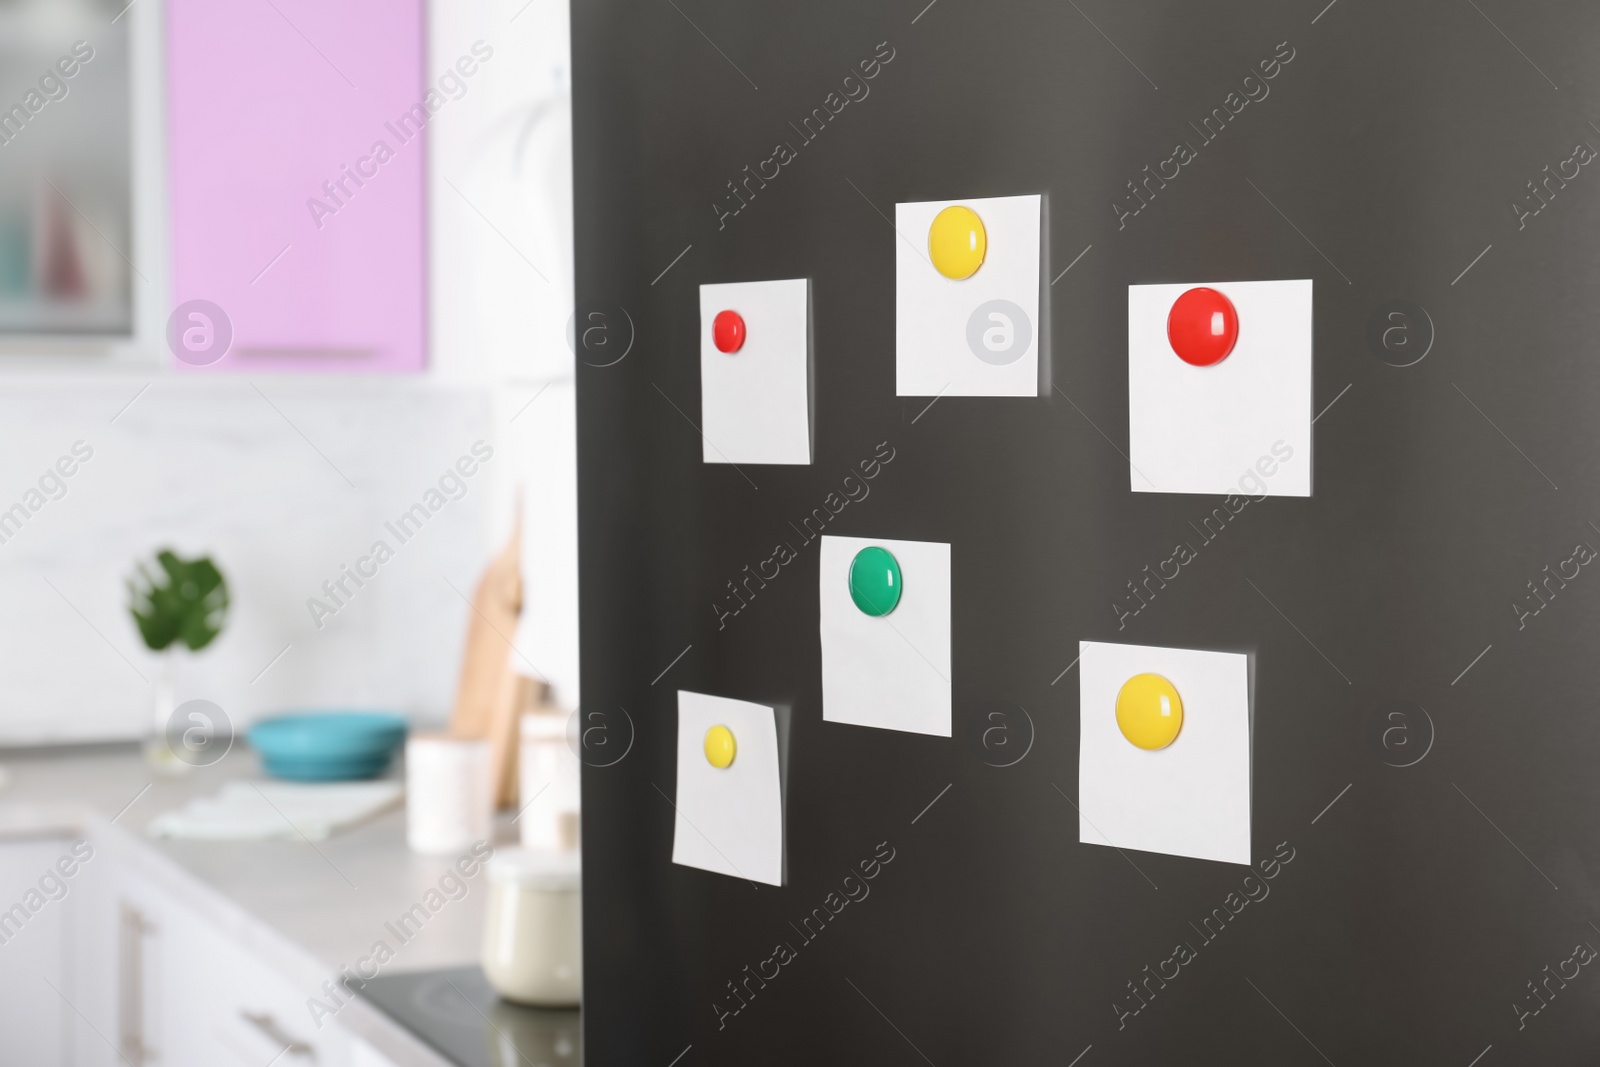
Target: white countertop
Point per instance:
(305, 909)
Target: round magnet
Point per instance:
(1149, 711)
(875, 581)
(957, 242)
(720, 747)
(727, 331)
(1202, 327)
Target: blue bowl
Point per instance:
(328, 746)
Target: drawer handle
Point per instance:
(275, 1033)
(132, 931)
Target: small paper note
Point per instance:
(1241, 425)
(1191, 798)
(979, 335)
(890, 671)
(755, 402)
(729, 820)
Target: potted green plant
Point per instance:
(176, 601)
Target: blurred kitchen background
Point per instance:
(281, 281)
(371, 345)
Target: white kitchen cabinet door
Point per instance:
(170, 989)
(164, 988)
(34, 905)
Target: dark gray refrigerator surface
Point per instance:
(1423, 628)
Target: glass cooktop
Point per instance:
(458, 1014)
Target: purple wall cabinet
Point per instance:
(297, 179)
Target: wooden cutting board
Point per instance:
(491, 696)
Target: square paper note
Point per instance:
(1191, 798)
(978, 336)
(729, 819)
(890, 671)
(755, 402)
(1242, 425)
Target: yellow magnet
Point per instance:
(957, 242)
(1149, 711)
(720, 747)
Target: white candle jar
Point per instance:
(532, 941)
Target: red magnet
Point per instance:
(727, 331)
(1202, 327)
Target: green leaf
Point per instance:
(187, 601)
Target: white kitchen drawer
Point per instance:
(364, 1055)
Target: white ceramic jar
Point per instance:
(449, 793)
(549, 783)
(532, 941)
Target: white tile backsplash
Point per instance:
(281, 482)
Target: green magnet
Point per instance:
(875, 581)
